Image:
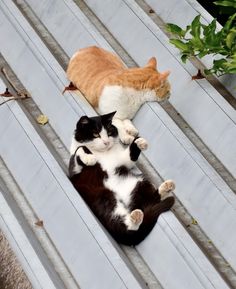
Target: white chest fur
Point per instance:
(125, 100)
(122, 186)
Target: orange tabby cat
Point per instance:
(110, 86)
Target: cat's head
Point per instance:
(97, 133)
(158, 81)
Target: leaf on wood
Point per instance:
(209, 241)
(6, 93)
(198, 75)
(194, 222)
(151, 11)
(39, 223)
(42, 119)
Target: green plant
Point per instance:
(226, 6)
(198, 39)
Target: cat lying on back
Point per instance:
(101, 171)
(110, 86)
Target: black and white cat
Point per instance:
(100, 169)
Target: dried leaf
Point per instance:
(6, 93)
(194, 222)
(42, 119)
(198, 75)
(39, 223)
(151, 11)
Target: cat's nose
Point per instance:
(106, 142)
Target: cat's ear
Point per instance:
(152, 63)
(108, 117)
(83, 120)
(164, 75)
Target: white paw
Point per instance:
(141, 143)
(136, 217)
(126, 138)
(130, 128)
(166, 187)
(135, 220)
(132, 131)
(88, 159)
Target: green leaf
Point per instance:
(175, 29)
(229, 23)
(184, 58)
(196, 27)
(180, 44)
(230, 39)
(202, 53)
(225, 3)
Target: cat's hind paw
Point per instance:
(167, 186)
(88, 159)
(136, 219)
(141, 143)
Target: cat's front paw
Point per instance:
(126, 138)
(88, 159)
(141, 143)
(130, 128)
(166, 187)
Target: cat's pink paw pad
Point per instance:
(136, 217)
(88, 159)
(141, 143)
(166, 187)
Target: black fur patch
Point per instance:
(122, 171)
(134, 151)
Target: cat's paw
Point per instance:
(126, 138)
(129, 128)
(141, 143)
(88, 159)
(132, 131)
(166, 187)
(136, 219)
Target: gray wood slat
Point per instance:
(25, 253)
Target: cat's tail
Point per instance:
(151, 215)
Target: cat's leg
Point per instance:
(132, 152)
(166, 187)
(134, 220)
(85, 156)
(82, 157)
(138, 145)
(130, 128)
(124, 136)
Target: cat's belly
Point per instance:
(122, 187)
